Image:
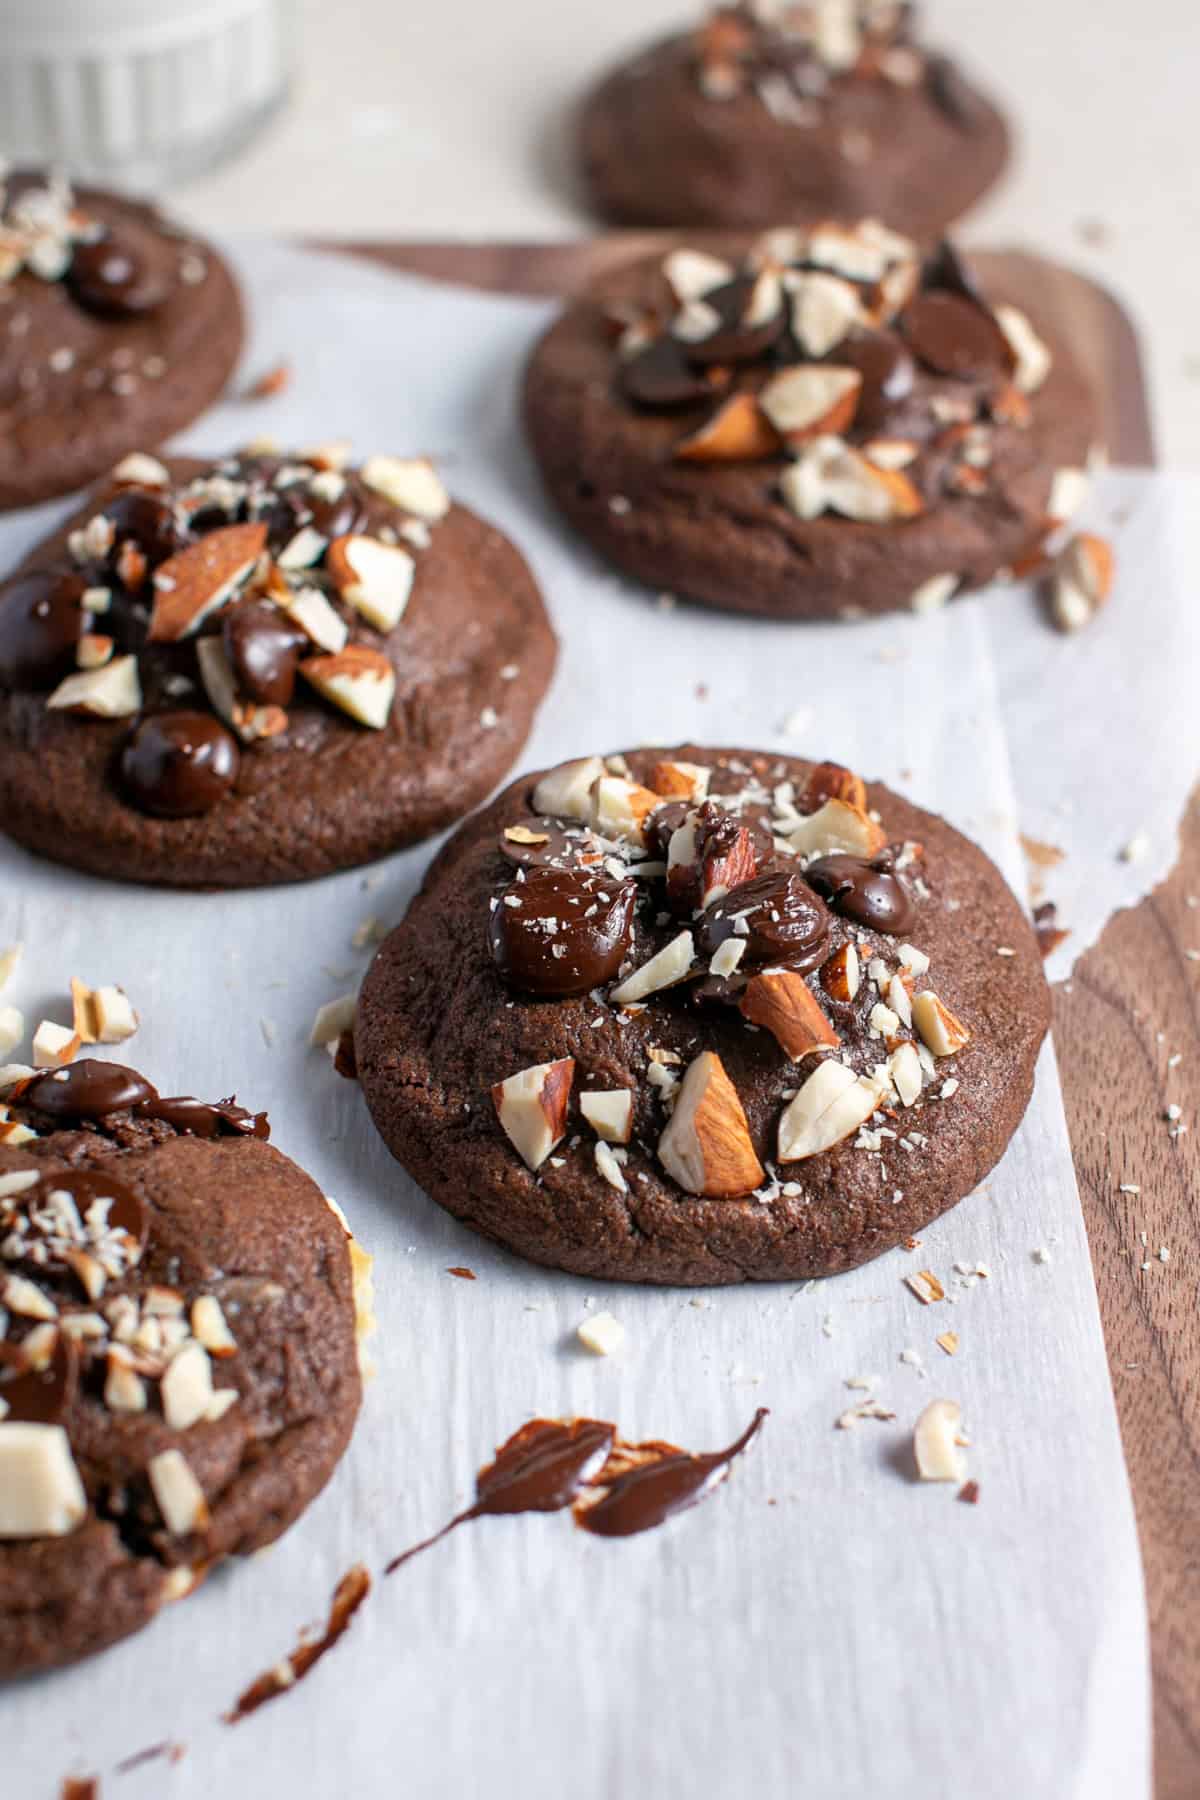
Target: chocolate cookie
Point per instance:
(116, 329)
(178, 1351)
(701, 1016)
(770, 111)
(262, 670)
(824, 425)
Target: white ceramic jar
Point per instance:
(139, 92)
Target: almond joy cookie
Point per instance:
(701, 1016)
(116, 329)
(825, 425)
(180, 1310)
(262, 669)
(771, 110)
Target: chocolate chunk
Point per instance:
(562, 931)
(888, 374)
(41, 617)
(123, 275)
(735, 340)
(870, 893)
(955, 337)
(948, 270)
(777, 916)
(660, 376)
(145, 518)
(296, 506)
(87, 1089)
(176, 765)
(39, 1396)
(264, 648)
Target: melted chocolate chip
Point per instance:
(296, 506)
(950, 92)
(870, 893)
(87, 1089)
(122, 275)
(562, 931)
(39, 1396)
(659, 1482)
(41, 618)
(734, 340)
(661, 376)
(145, 518)
(176, 765)
(955, 337)
(888, 373)
(204, 1118)
(264, 648)
(948, 270)
(777, 916)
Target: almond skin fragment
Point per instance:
(706, 1147)
(841, 975)
(196, 581)
(739, 431)
(781, 1001)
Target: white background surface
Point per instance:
(865, 1635)
(446, 121)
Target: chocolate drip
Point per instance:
(351, 1591)
(660, 1482)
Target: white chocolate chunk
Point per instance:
(41, 1494)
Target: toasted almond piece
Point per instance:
(197, 581)
(26, 1299)
(926, 1286)
(621, 807)
(139, 470)
(360, 681)
(566, 792)
(12, 1029)
(332, 1019)
(933, 594)
(41, 1494)
(829, 476)
(695, 321)
(411, 483)
(124, 1389)
(302, 551)
(669, 966)
(1081, 581)
(609, 1112)
(691, 274)
(179, 1495)
(373, 577)
(308, 608)
(102, 1015)
(891, 453)
(681, 780)
(840, 976)
(1068, 492)
(706, 1147)
(210, 1327)
(824, 307)
(608, 1165)
(904, 1067)
(696, 878)
(112, 691)
(847, 252)
(947, 1341)
(935, 1442)
(782, 1002)
(186, 1387)
(601, 1334)
(532, 1108)
(940, 1031)
(94, 650)
(54, 1045)
(832, 1104)
(833, 781)
(894, 290)
(1034, 360)
(837, 826)
(811, 400)
(739, 431)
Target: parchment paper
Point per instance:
(824, 1625)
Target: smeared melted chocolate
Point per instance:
(779, 918)
(39, 1396)
(349, 1595)
(870, 893)
(91, 1090)
(612, 1488)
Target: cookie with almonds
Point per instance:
(116, 329)
(819, 423)
(180, 1318)
(262, 669)
(771, 110)
(703, 1016)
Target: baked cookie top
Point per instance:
(178, 1352)
(823, 422)
(703, 1015)
(115, 327)
(206, 652)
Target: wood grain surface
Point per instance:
(1130, 1008)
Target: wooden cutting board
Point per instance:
(1131, 1001)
